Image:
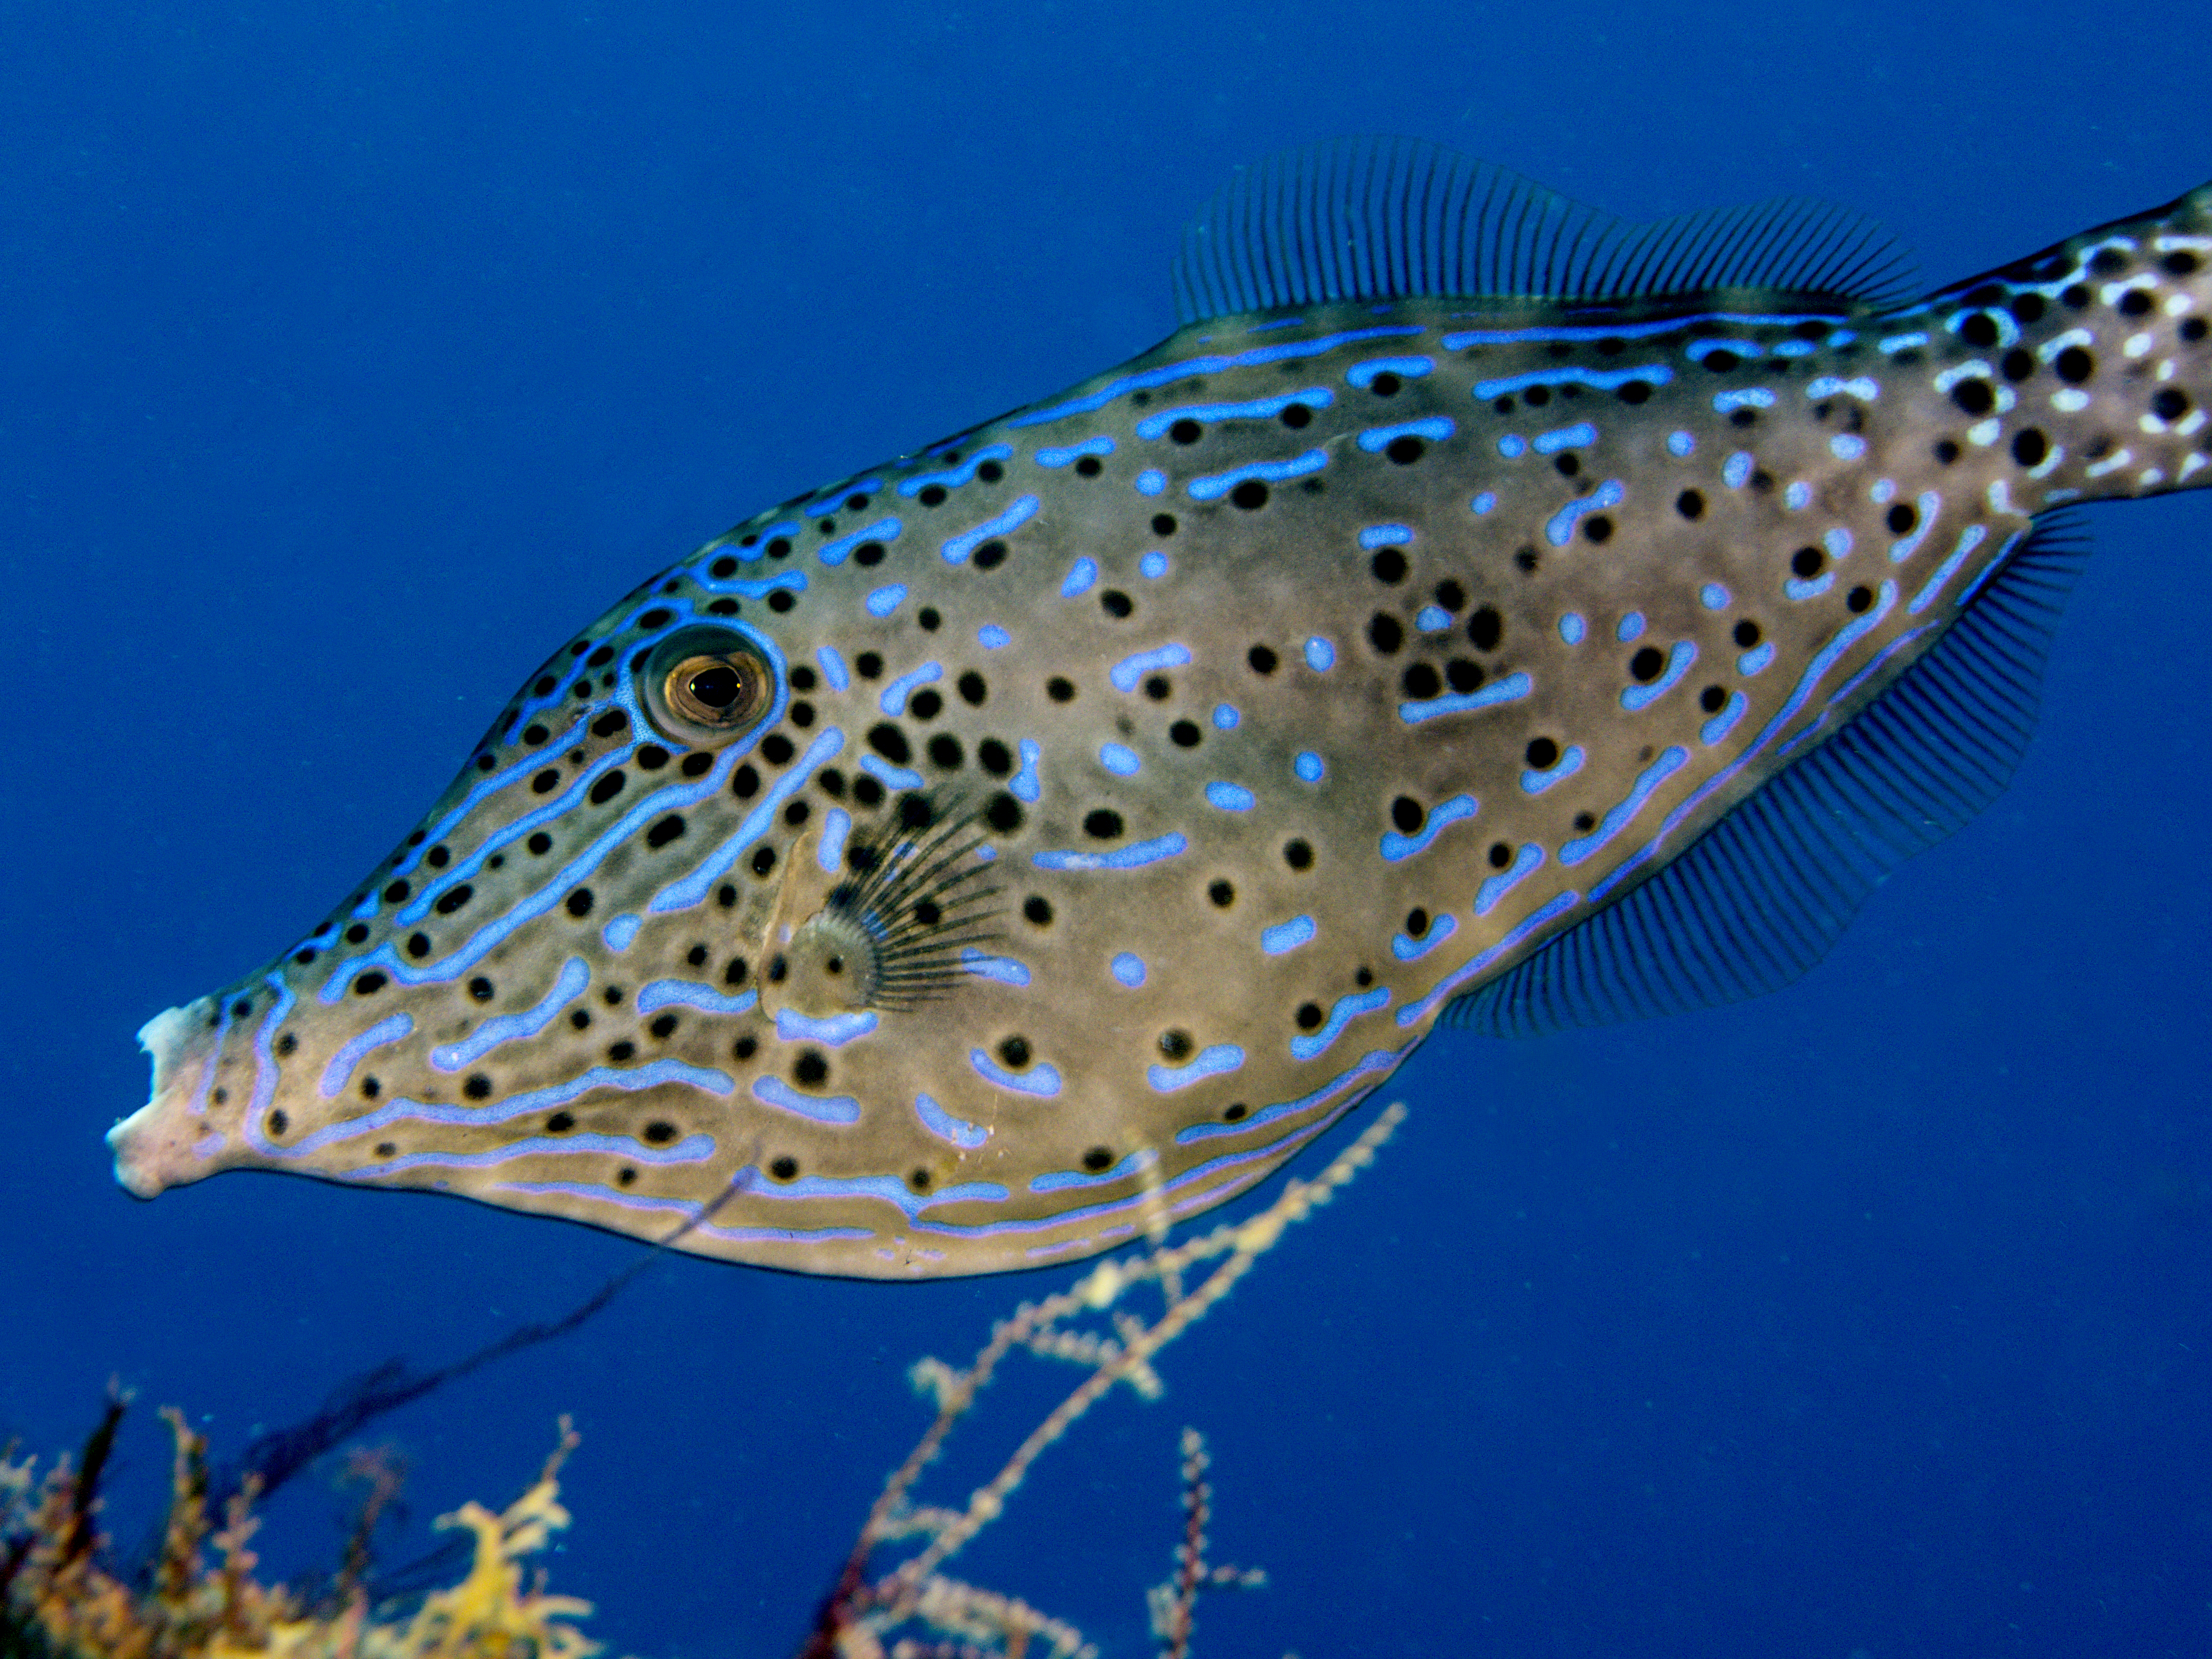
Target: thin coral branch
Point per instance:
(861, 1610)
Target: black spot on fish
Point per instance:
(1037, 910)
(1250, 496)
(1263, 660)
(2029, 446)
(1222, 893)
(1806, 562)
(1974, 397)
(1389, 564)
(1541, 754)
(1184, 734)
(811, 1069)
(1297, 854)
(1646, 664)
(580, 902)
(1103, 824)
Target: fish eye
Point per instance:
(704, 686)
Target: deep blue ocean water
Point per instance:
(353, 356)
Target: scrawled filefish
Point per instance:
(1481, 608)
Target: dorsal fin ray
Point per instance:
(1381, 219)
(1763, 893)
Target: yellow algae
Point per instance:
(56, 1599)
(59, 1598)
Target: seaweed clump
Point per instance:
(59, 1598)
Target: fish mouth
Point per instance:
(164, 1143)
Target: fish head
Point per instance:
(616, 971)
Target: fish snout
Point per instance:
(164, 1143)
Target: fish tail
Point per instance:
(2083, 371)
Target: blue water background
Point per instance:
(352, 356)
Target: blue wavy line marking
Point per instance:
(1534, 782)
(833, 667)
(1151, 481)
(1713, 597)
(1526, 862)
(1221, 1058)
(991, 636)
(692, 1149)
(506, 1028)
(1230, 797)
(1341, 1013)
(755, 588)
(1434, 619)
(1060, 1180)
(1025, 786)
(893, 701)
(1023, 509)
(1127, 970)
(1817, 669)
(1678, 659)
(661, 1073)
(1384, 535)
(690, 994)
(1156, 426)
(1168, 374)
(1101, 444)
(1631, 627)
(1436, 429)
(1320, 654)
(890, 1188)
(1930, 503)
(1749, 396)
(891, 777)
(836, 1030)
(1119, 759)
(1446, 988)
(1287, 935)
(1580, 435)
(1308, 766)
(339, 1071)
(1725, 722)
(1572, 628)
(1121, 857)
(1798, 589)
(1754, 661)
(830, 852)
(694, 888)
(1080, 578)
(882, 530)
(1041, 1080)
(1681, 444)
(945, 1127)
(1618, 816)
(885, 600)
(1374, 1061)
(1406, 368)
(1218, 485)
(1395, 847)
(822, 1108)
(1511, 689)
(621, 930)
(957, 475)
(1972, 538)
(1735, 471)
(1561, 526)
(1125, 674)
(1006, 971)
(1607, 379)
(1407, 949)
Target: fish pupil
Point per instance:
(717, 687)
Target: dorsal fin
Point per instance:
(1763, 893)
(1392, 218)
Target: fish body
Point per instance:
(969, 864)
